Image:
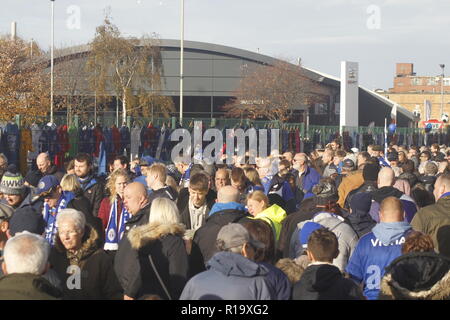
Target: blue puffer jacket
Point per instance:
(230, 276)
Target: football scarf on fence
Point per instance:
(112, 237)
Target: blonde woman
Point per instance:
(152, 259)
(258, 206)
(70, 183)
(112, 212)
(253, 176)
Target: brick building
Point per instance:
(412, 91)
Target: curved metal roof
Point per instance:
(232, 52)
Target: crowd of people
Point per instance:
(332, 224)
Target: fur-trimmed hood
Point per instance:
(89, 244)
(141, 236)
(417, 276)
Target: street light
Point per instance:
(442, 89)
(181, 60)
(51, 61)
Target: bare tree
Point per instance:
(127, 67)
(271, 92)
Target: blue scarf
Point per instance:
(112, 236)
(383, 162)
(445, 195)
(50, 215)
(87, 185)
(226, 206)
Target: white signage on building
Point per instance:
(348, 106)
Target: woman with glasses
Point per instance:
(85, 269)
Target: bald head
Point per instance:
(391, 210)
(386, 177)
(43, 162)
(442, 185)
(135, 197)
(228, 194)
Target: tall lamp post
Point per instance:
(442, 90)
(181, 60)
(51, 61)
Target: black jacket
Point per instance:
(97, 278)
(165, 245)
(325, 282)
(289, 225)
(139, 219)
(166, 192)
(34, 176)
(205, 237)
(360, 221)
(94, 193)
(183, 205)
(367, 186)
(81, 203)
(428, 182)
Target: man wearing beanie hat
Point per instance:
(359, 217)
(16, 194)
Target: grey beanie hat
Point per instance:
(12, 181)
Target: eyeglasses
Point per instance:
(68, 232)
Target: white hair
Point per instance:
(26, 253)
(76, 216)
(164, 211)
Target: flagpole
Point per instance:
(385, 137)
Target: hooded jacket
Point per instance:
(205, 237)
(380, 194)
(374, 252)
(321, 281)
(434, 220)
(165, 245)
(274, 216)
(230, 276)
(183, 205)
(27, 286)
(417, 276)
(97, 279)
(165, 192)
(361, 222)
(347, 237)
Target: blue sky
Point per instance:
(375, 33)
